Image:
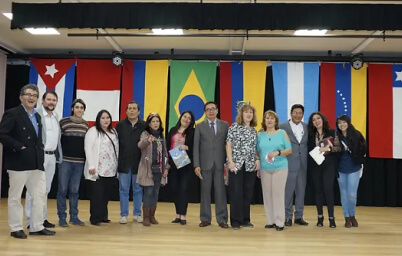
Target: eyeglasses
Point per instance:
(28, 95)
(210, 109)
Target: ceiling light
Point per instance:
(9, 15)
(310, 32)
(43, 31)
(357, 61)
(168, 31)
(117, 59)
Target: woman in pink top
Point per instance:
(182, 134)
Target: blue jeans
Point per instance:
(125, 180)
(69, 183)
(348, 184)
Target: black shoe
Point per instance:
(47, 224)
(320, 221)
(279, 228)
(18, 234)
(247, 225)
(235, 226)
(183, 222)
(332, 222)
(301, 222)
(95, 223)
(288, 222)
(177, 220)
(43, 232)
(270, 226)
(106, 221)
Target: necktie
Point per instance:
(213, 127)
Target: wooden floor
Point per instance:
(379, 233)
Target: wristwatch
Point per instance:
(279, 152)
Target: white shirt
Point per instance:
(297, 130)
(52, 131)
(215, 126)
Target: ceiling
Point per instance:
(21, 42)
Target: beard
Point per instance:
(49, 107)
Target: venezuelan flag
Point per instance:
(192, 84)
(343, 90)
(145, 81)
(241, 81)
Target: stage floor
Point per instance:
(379, 233)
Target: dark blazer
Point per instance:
(129, 153)
(16, 131)
(209, 149)
(189, 143)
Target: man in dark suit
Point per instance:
(209, 158)
(297, 175)
(21, 136)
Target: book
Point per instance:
(326, 142)
(180, 157)
(317, 155)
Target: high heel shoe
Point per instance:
(332, 222)
(177, 220)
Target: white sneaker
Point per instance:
(123, 220)
(138, 218)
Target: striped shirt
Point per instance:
(72, 139)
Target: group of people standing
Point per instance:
(136, 152)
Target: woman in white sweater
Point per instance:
(101, 150)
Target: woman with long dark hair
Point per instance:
(182, 135)
(101, 150)
(350, 167)
(153, 166)
(322, 136)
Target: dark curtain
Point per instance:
(381, 184)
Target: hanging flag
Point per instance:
(385, 118)
(98, 85)
(192, 84)
(145, 82)
(343, 90)
(295, 83)
(54, 75)
(241, 81)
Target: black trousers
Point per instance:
(241, 188)
(179, 180)
(324, 177)
(99, 198)
(151, 193)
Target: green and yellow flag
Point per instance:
(192, 84)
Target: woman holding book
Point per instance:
(273, 145)
(153, 166)
(101, 150)
(350, 167)
(322, 136)
(181, 136)
(241, 153)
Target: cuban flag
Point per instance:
(98, 85)
(295, 83)
(54, 75)
(385, 118)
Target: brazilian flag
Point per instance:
(192, 84)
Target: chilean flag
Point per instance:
(54, 75)
(98, 85)
(385, 106)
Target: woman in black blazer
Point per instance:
(182, 134)
(322, 136)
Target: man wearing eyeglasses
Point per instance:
(21, 136)
(297, 175)
(209, 158)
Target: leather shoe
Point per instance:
(204, 224)
(279, 228)
(18, 234)
(47, 224)
(223, 225)
(288, 222)
(95, 223)
(270, 226)
(43, 232)
(183, 222)
(301, 222)
(106, 221)
(176, 220)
